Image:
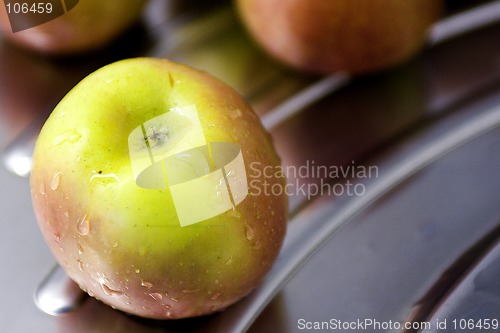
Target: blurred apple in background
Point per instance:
(325, 36)
(118, 234)
(87, 25)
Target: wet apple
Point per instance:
(143, 184)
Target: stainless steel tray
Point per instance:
(421, 242)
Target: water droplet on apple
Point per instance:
(235, 114)
(75, 137)
(57, 236)
(137, 271)
(156, 296)
(80, 248)
(54, 184)
(105, 178)
(115, 244)
(189, 291)
(83, 226)
(59, 140)
(234, 213)
(71, 136)
(80, 264)
(42, 189)
(215, 296)
(146, 284)
(249, 232)
(229, 261)
(221, 187)
(107, 290)
(257, 245)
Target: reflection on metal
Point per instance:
(58, 294)
(18, 163)
(454, 287)
(474, 303)
(303, 99)
(465, 22)
(309, 231)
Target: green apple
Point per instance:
(139, 218)
(325, 36)
(89, 25)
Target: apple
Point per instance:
(324, 36)
(151, 183)
(87, 25)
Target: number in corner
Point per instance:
(25, 8)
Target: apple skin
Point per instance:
(324, 36)
(90, 25)
(122, 243)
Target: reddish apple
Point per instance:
(325, 36)
(89, 25)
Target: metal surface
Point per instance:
(473, 300)
(429, 127)
(57, 294)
